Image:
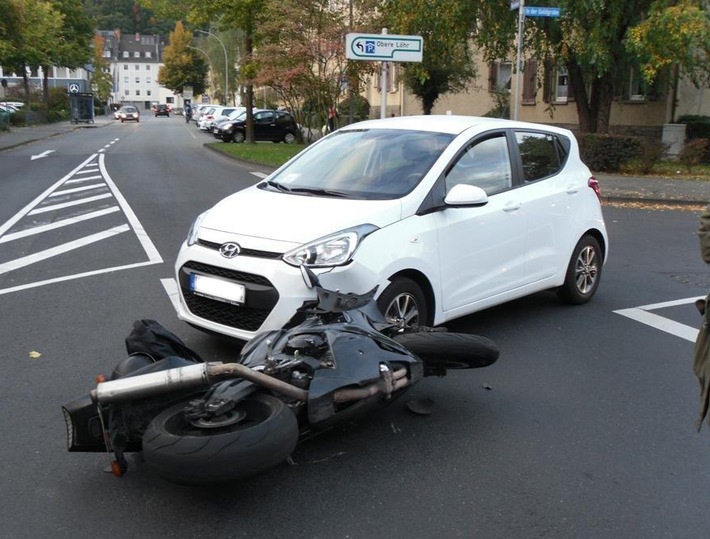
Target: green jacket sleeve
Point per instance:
(704, 233)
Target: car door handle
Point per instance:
(512, 206)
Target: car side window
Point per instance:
(264, 117)
(485, 164)
(541, 154)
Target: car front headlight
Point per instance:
(195, 229)
(333, 250)
(225, 127)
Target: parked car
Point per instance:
(198, 110)
(129, 113)
(238, 114)
(446, 215)
(274, 125)
(162, 110)
(218, 114)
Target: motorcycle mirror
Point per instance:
(310, 278)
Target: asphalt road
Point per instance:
(584, 428)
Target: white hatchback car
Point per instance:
(447, 215)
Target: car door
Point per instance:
(264, 125)
(481, 249)
(550, 197)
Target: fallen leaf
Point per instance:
(35, 355)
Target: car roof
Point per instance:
(446, 123)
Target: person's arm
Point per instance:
(704, 233)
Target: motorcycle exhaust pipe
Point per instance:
(192, 377)
(398, 381)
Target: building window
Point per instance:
(138, 80)
(561, 87)
(136, 54)
(138, 92)
(637, 87)
(148, 54)
(147, 67)
(147, 92)
(125, 54)
(529, 82)
(125, 92)
(125, 66)
(147, 80)
(125, 81)
(500, 75)
(137, 67)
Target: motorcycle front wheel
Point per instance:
(179, 451)
(443, 350)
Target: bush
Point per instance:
(361, 109)
(693, 153)
(606, 153)
(696, 126)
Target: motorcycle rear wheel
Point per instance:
(450, 350)
(183, 453)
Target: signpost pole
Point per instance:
(518, 61)
(383, 85)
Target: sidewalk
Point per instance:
(615, 188)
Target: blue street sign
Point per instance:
(537, 11)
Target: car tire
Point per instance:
(403, 304)
(183, 453)
(238, 137)
(289, 138)
(583, 272)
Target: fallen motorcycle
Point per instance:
(200, 423)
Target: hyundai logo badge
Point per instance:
(229, 250)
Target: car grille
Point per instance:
(244, 252)
(261, 298)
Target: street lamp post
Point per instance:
(226, 68)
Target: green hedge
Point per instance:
(606, 153)
(697, 127)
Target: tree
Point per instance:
(301, 56)
(446, 27)
(593, 40)
(181, 65)
(101, 78)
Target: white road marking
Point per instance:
(41, 155)
(61, 249)
(259, 174)
(171, 288)
(36, 201)
(32, 209)
(86, 200)
(76, 190)
(79, 180)
(642, 314)
(57, 224)
(147, 244)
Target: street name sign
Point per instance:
(538, 11)
(384, 47)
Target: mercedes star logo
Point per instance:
(229, 250)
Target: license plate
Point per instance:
(217, 289)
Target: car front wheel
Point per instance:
(583, 272)
(238, 136)
(403, 304)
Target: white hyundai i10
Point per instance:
(447, 215)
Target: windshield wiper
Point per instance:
(317, 191)
(278, 186)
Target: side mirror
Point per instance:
(466, 195)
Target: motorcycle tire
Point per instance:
(450, 350)
(183, 453)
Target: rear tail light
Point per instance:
(594, 185)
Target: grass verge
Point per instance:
(265, 153)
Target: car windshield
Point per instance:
(364, 164)
(129, 109)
